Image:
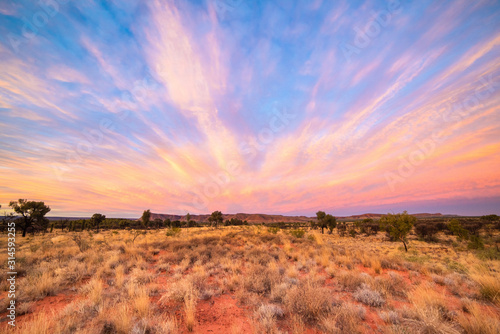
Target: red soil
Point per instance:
(221, 315)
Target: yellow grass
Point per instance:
(156, 283)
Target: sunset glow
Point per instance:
(283, 107)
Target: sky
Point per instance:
(280, 107)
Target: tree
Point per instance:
(398, 226)
(158, 223)
(31, 211)
(63, 224)
(146, 216)
(490, 218)
(320, 216)
(331, 223)
(457, 229)
(427, 231)
(368, 226)
(97, 219)
(342, 228)
(215, 218)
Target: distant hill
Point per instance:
(251, 218)
(258, 218)
(378, 215)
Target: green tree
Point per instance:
(490, 218)
(31, 212)
(457, 229)
(398, 226)
(215, 218)
(326, 221)
(312, 224)
(146, 216)
(64, 222)
(331, 223)
(320, 216)
(97, 219)
(158, 223)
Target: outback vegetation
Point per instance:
(396, 275)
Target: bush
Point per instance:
(426, 231)
(273, 230)
(298, 233)
(475, 242)
(457, 229)
(368, 297)
(82, 244)
(342, 228)
(260, 279)
(309, 302)
(489, 253)
(369, 227)
(473, 228)
(174, 231)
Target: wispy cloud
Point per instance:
(116, 107)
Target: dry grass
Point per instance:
(479, 321)
(309, 302)
(190, 299)
(489, 287)
(281, 283)
(93, 290)
(141, 302)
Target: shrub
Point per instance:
(344, 319)
(261, 279)
(473, 228)
(369, 227)
(475, 242)
(368, 297)
(82, 244)
(174, 231)
(298, 233)
(270, 311)
(267, 315)
(390, 317)
(351, 281)
(457, 229)
(426, 231)
(309, 302)
(273, 230)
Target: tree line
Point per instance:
(31, 218)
